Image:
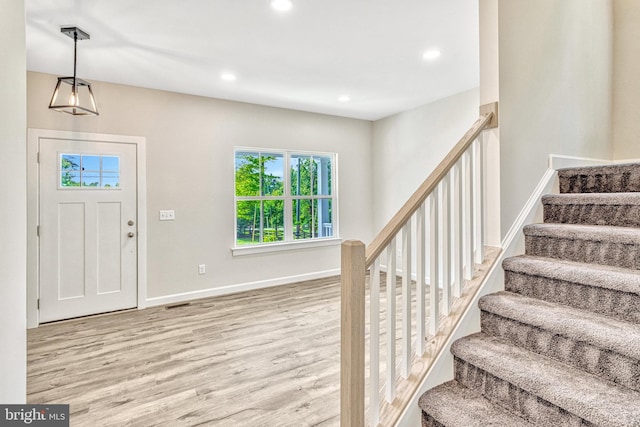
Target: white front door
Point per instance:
(88, 223)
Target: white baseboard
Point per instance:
(559, 161)
(626, 161)
(241, 287)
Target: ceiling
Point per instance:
(303, 59)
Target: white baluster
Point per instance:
(464, 207)
(420, 280)
(374, 348)
(478, 147)
(446, 246)
(474, 200)
(458, 240)
(406, 299)
(434, 312)
(470, 243)
(391, 322)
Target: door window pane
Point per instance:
(69, 162)
(89, 171)
(70, 170)
(90, 179)
(110, 164)
(110, 179)
(70, 179)
(91, 163)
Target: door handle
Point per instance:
(131, 234)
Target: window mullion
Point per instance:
(288, 201)
(261, 221)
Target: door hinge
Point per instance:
(38, 157)
(38, 303)
(38, 231)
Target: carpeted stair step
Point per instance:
(610, 291)
(604, 245)
(453, 405)
(540, 389)
(620, 178)
(616, 209)
(597, 344)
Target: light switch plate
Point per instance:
(168, 215)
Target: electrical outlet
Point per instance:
(168, 215)
(202, 269)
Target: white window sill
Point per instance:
(284, 246)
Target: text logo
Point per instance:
(34, 415)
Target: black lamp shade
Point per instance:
(78, 102)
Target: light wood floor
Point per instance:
(261, 358)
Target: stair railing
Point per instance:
(450, 201)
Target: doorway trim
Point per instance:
(33, 196)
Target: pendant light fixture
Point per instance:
(73, 95)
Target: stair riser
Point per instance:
(621, 305)
(609, 182)
(513, 398)
(619, 216)
(597, 361)
(586, 251)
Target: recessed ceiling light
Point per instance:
(431, 54)
(281, 5)
(229, 77)
(344, 98)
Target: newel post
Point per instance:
(352, 334)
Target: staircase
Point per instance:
(561, 345)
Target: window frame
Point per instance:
(81, 172)
(289, 242)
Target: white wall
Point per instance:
(13, 214)
(190, 168)
(489, 93)
(555, 89)
(626, 84)
(408, 146)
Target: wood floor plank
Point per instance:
(260, 358)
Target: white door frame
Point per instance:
(33, 139)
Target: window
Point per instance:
(273, 206)
(89, 171)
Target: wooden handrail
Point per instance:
(393, 227)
